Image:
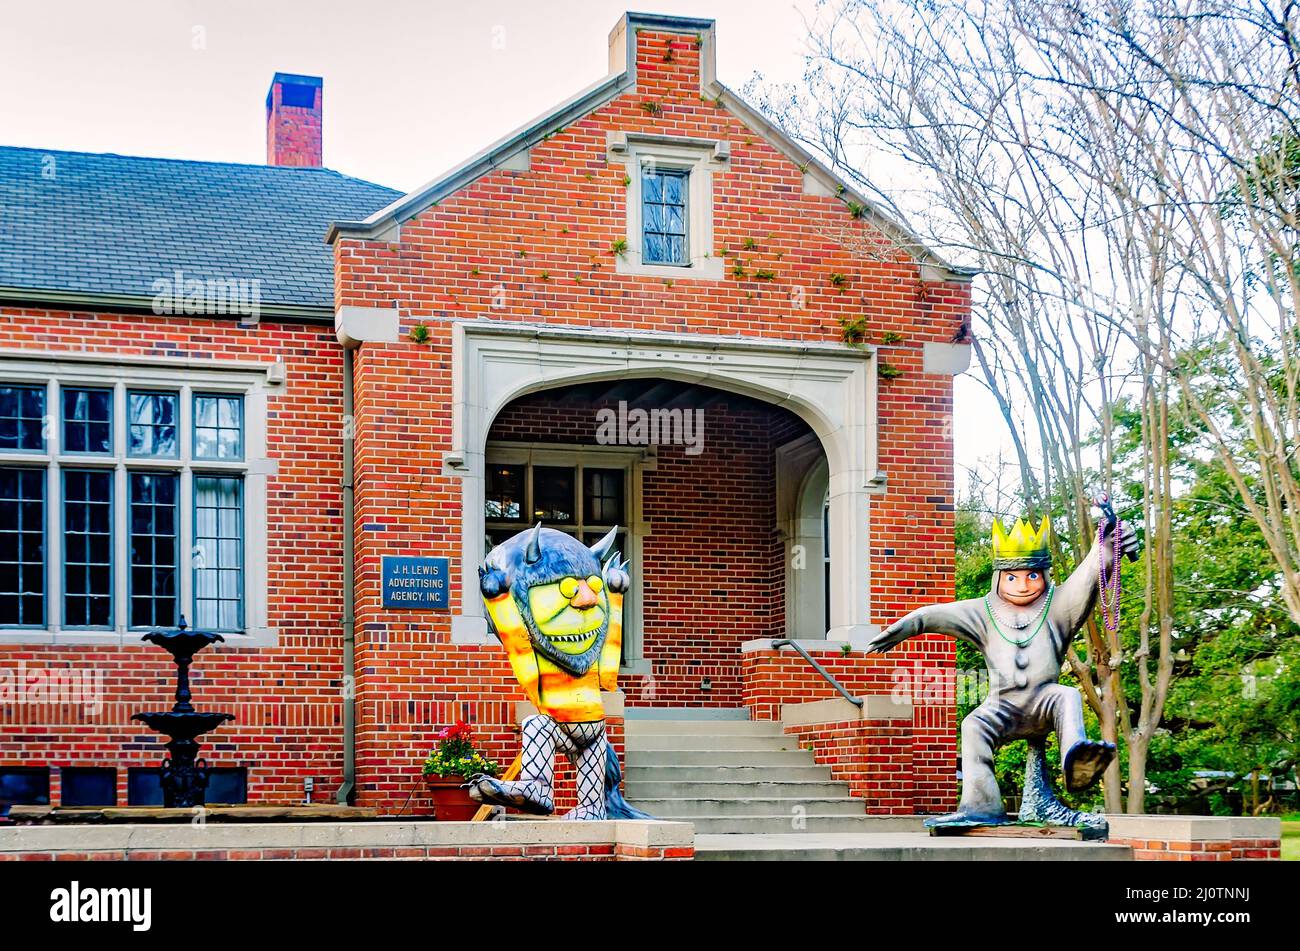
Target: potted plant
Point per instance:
(452, 762)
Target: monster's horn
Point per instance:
(534, 550)
(602, 547)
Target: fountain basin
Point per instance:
(183, 725)
(181, 642)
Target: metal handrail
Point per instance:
(826, 674)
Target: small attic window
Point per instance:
(299, 95)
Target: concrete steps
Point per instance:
(731, 807)
(735, 776)
(712, 743)
(788, 825)
(637, 756)
(753, 795)
(764, 788)
(719, 774)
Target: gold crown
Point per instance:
(1022, 547)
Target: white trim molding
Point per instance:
(829, 386)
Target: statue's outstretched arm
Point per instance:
(959, 619)
(1076, 596)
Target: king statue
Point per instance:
(1024, 627)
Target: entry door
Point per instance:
(582, 493)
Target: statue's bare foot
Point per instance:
(968, 819)
(1084, 763)
(528, 796)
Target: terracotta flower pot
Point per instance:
(451, 803)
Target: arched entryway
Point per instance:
(691, 476)
(828, 389)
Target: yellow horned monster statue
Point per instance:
(556, 605)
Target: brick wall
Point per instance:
(286, 698)
(873, 757)
(907, 766)
(535, 246)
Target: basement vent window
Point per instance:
(89, 786)
(25, 785)
(144, 786)
(227, 786)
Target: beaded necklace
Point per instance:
(1042, 618)
(1108, 584)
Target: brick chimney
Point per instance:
(293, 121)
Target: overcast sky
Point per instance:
(411, 88)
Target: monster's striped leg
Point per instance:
(534, 790)
(584, 744)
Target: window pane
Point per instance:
(663, 217)
(553, 494)
(602, 494)
(87, 420)
(505, 493)
(87, 549)
(22, 547)
(153, 420)
(218, 553)
(153, 549)
(218, 427)
(22, 418)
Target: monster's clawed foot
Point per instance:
(531, 796)
(968, 819)
(1084, 762)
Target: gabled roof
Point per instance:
(83, 228)
(512, 151)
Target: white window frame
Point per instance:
(256, 383)
(699, 159)
(633, 462)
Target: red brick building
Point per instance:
(648, 308)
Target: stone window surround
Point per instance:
(700, 158)
(256, 382)
(833, 388)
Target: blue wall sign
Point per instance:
(416, 584)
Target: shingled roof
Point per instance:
(108, 226)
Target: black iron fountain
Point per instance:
(184, 774)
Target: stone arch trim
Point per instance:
(831, 387)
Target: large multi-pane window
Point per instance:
(523, 494)
(122, 503)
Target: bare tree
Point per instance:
(957, 94)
